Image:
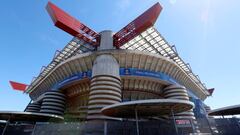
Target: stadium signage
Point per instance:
(146, 73)
(75, 77)
(183, 123)
(122, 71)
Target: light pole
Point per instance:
(5, 128)
(174, 122)
(136, 117)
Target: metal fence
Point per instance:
(228, 126)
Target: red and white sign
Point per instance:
(183, 122)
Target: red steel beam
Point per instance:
(137, 26)
(18, 86)
(210, 91)
(69, 24)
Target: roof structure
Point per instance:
(146, 108)
(28, 116)
(148, 41)
(229, 110)
(139, 34)
(152, 41)
(74, 47)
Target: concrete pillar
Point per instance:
(53, 103)
(106, 41)
(179, 92)
(105, 87)
(33, 107)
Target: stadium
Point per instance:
(109, 81)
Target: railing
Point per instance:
(75, 46)
(152, 41)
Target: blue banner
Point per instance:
(146, 73)
(75, 77)
(199, 109)
(122, 71)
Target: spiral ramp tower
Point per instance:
(33, 107)
(175, 91)
(105, 87)
(53, 103)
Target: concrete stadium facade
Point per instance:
(87, 82)
(81, 79)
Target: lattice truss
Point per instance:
(152, 41)
(138, 35)
(74, 47)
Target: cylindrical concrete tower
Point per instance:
(33, 107)
(179, 92)
(105, 87)
(53, 103)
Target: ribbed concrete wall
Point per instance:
(127, 59)
(180, 92)
(33, 107)
(105, 87)
(53, 103)
(77, 100)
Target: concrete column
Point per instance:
(105, 87)
(33, 107)
(179, 92)
(106, 41)
(53, 103)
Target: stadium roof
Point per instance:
(146, 108)
(137, 35)
(152, 41)
(229, 110)
(28, 116)
(149, 41)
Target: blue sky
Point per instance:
(205, 32)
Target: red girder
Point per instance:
(137, 26)
(71, 25)
(18, 86)
(210, 91)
